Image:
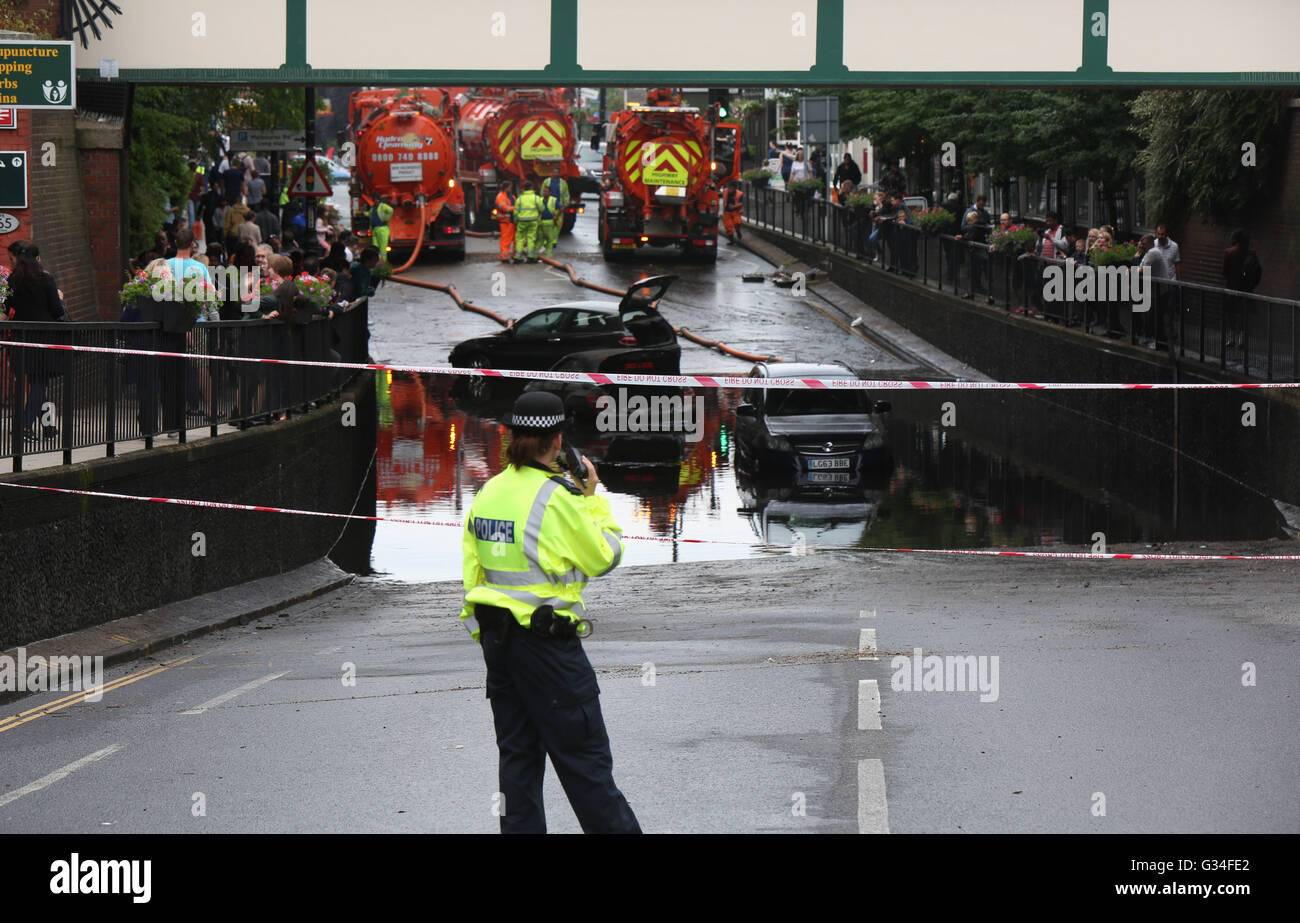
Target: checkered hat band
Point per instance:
(537, 422)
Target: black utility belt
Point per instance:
(544, 622)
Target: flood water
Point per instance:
(1019, 473)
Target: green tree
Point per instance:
(1192, 154)
(1083, 133)
(169, 124)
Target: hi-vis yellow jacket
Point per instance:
(531, 541)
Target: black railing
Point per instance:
(60, 401)
(1250, 335)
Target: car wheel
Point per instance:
(479, 387)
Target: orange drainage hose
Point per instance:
(455, 296)
(681, 331)
(448, 289)
(419, 243)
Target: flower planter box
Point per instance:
(174, 316)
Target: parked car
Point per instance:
(810, 436)
(544, 337)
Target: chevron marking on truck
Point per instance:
(540, 139)
(671, 167)
(506, 141)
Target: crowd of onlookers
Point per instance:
(232, 218)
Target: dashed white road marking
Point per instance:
(223, 699)
(873, 810)
(867, 614)
(867, 644)
(868, 705)
(58, 774)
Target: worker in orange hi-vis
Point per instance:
(503, 211)
(733, 206)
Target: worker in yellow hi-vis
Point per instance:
(528, 214)
(380, 214)
(548, 226)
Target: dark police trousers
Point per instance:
(545, 701)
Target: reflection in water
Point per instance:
(436, 449)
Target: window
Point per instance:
(591, 322)
(807, 403)
(540, 324)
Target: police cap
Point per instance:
(537, 412)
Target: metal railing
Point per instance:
(1249, 335)
(60, 401)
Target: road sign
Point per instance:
(310, 181)
(819, 119)
(277, 139)
(13, 179)
(37, 75)
(8, 117)
(8, 223)
(406, 172)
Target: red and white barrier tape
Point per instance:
(700, 381)
(213, 504)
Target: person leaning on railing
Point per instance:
(34, 296)
(974, 238)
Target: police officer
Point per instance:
(532, 540)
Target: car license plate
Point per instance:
(622, 246)
(828, 477)
(823, 464)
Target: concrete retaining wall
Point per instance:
(71, 562)
(1205, 427)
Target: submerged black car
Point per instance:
(822, 437)
(541, 339)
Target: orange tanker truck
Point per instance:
(518, 135)
(665, 165)
(406, 154)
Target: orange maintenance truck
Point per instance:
(406, 159)
(513, 134)
(664, 167)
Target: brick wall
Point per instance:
(1274, 234)
(73, 206)
(58, 207)
(101, 166)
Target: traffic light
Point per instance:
(722, 98)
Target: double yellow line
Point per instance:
(13, 721)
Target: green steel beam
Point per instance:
(1096, 29)
(564, 42)
(829, 70)
(295, 35)
(572, 75)
(830, 39)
